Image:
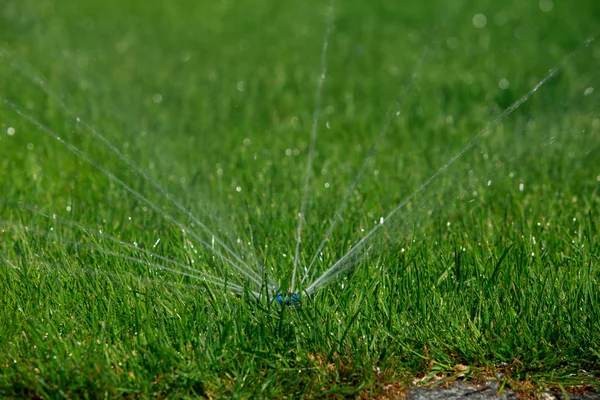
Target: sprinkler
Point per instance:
(289, 299)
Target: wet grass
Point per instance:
(489, 271)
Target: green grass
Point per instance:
(477, 277)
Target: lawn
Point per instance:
(157, 160)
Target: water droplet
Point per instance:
(10, 131)
(327, 185)
(288, 152)
(479, 20)
(588, 91)
(546, 5)
(68, 208)
(241, 86)
(452, 42)
(503, 84)
(238, 189)
(521, 187)
(518, 32)
(157, 98)
(122, 46)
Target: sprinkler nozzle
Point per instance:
(289, 299)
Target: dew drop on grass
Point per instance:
(546, 5)
(10, 131)
(503, 84)
(518, 32)
(521, 187)
(68, 208)
(238, 189)
(479, 21)
(452, 43)
(588, 91)
(327, 185)
(157, 98)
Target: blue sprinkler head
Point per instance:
(289, 299)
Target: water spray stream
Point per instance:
(102, 235)
(131, 164)
(373, 151)
(313, 136)
(195, 274)
(251, 274)
(343, 265)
